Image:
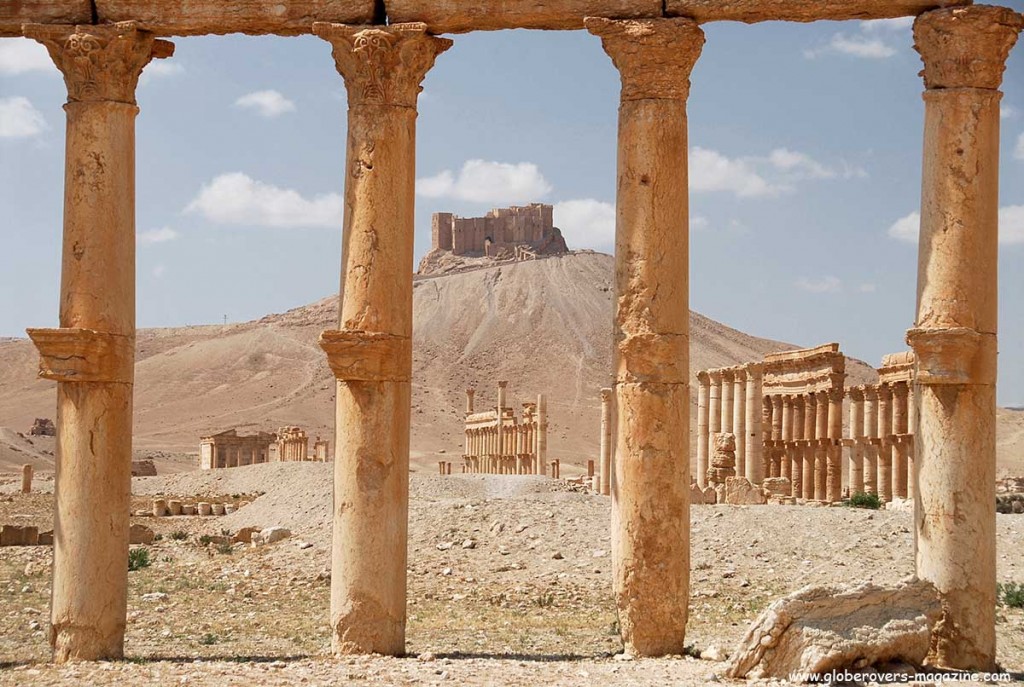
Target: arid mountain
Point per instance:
(543, 325)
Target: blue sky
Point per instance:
(805, 174)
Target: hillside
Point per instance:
(543, 325)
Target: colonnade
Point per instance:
(728, 400)
(880, 443)
(805, 445)
(496, 442)
(91, 355)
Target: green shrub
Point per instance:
(225, 549)
(205, 539)
(1010, 594)
(864, 500)
(138, 558)
(179, 535)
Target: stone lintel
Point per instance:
(14, 14)
(460, 16)
(752, 11)
(382, 65)
(84, 355)
(100, 63)
(953, 356)
(966, 47)
(654, 56)
(358, 356)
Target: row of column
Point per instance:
(512, 451)
(881, 443)
(91, 355)
(805, 445)
(728, 400)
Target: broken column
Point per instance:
(371, 352)
(91, 356)
(964, 51)
(26, 479)
(650, 505)
(606, 441)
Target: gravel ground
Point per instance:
(526, 602)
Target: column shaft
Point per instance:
(810, 450)
(606, 441)
(703, 427)
(755, 436)
(739, 420)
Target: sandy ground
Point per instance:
(528, 603)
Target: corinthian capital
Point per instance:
(654, 56)
(100, 63)
(966, 47)
(382, 65)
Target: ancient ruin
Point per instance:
(383, 50)
(228, 449)
(43, 427)
(292, 444)
(498, 442)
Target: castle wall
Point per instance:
(499, 229)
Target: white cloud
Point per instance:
(586, 223)
(160, 68)
(482, 181)
(699, 223)
(828, 284)
(161, 235)
(269, 104)
(1018, 152)
(882, 25)
(867, 288)
(712, 171)
(19, 118)
(22, 55)
(1007, 111)
(236, 198)
(874, 40)
(1011, 226)
(800, 163)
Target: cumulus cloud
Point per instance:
(21, 55)
(1007, 111)
(483, 181)
(236, 198)
(827, 284)
(159, 69)
(268, 104)
(1018, 152)
(712, 171)
(161, 235)
(1011, 226)
(19, 118)
(875, 40)
(586, 223)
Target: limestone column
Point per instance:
(469, 400)
(502, 447)
(727, 400)
(91, 356)
(797, 471)
(954, 335)
(606, 441)
(703, 430)
(650, 504)
(739, 417)
(834, 450)
(885, 442)
(821, 445)
(856, 446)
(787, 438)
(899, 447)
(755, 436)
(714, 412)
(776, 465)
(912, 429)
(542, 431)
(871, 433)
(26, 479)
(811, 449)
(371, 352)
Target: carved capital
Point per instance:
(953, 356)
(870, 393)
(382, 65)
(901, 390)
(606, 395)
(856, 394)
(100, 63)
(84, 355)
(703, 377)
(654, 56)
(358, 356)
(966, 47)
(715, 377)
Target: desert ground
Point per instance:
(509, 583)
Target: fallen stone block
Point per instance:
(740, 492)
(696, 495)
(270, 535)
(140, 534)
(819, 629)
(245, 535)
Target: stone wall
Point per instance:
(501, 229)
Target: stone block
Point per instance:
(140, 534)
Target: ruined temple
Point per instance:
(514, 233)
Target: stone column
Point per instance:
(797, 471)
(811, 449)
(899, 447)
(834, 450)
(469, 400)
(821, 445)
(776, 466)
(91, 356)
(371, 352)
(755, 437)
(787, 437)
(871, 433)
(739, 416)
(714, 411)
(650, 506)
(542, 431)
(502, 447)
(912, 429)
(26, 479)
(727, 400)
(885, 442)
(606, 441)
(703, 431)
(856, 446)
(954, 336)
